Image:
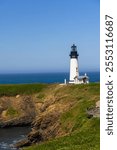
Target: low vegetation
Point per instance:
(23, 89)
(81, 132)
(12, 112)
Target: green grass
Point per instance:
(12, 112)
(83, 133)
(23, 89)
(41, 95)
(86, 138)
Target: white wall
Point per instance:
(73, 67)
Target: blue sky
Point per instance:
(36, 35)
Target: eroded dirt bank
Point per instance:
(44, 110)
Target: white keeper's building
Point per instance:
(75, 78)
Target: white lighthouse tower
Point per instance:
(75, 78)
(74, 70)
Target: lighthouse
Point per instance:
(75, 78)
(74, 70)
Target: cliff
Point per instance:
(65, 116)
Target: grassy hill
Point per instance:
(82, 132)
(61, 114)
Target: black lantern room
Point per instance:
(73, 53)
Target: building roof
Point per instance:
(82, 77)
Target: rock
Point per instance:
(93, 112)
(45, 127)
(24, 107)
(98, 104)
(4, 103)
(35, 136)
(17, 96)
(22, 121)
(1, 109)
(3, 114)
(22, 143)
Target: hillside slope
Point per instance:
(69, 120)
(65, 117)
(18, 104)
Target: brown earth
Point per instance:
(42, 111)
(16, 111)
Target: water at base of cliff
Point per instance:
(10, 136)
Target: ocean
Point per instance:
(43, 78)
(10, 136)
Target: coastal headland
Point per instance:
(60, 116)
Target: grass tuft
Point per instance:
(12, 112)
